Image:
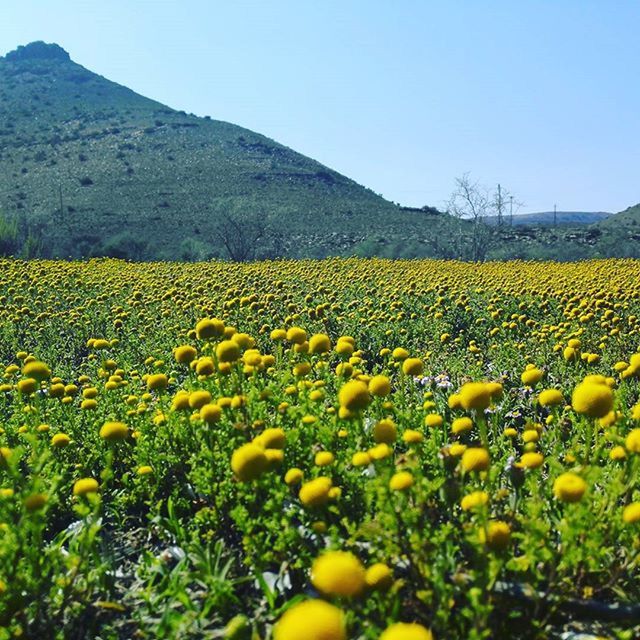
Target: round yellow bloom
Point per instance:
(227, 351)
(531, 460)
(210, 413)
(475, 395)
(319, 343)
(209, 328)
(498, 534)
(272, 438)
(550, 398)
(411, 436)
(379, 386)
(27, 386)
(354, 395)
(360, 459)
(401, 481)
(406, 631)
(378, 576)
(412, 367)
(157, 381)
(35, 501)
(569, 487)
(60, 440)
(37, 370)
(114, 431)
(84, 486)
(198, 399)
(293, 476)
(338, 573)
(185, 354)
(473, 500)
(144, 470)
(592, 399)
(205, 366)
(296, 335)
(531, 377)
(324, 458)
(311, 620)
(617, 453)
(475, 459)
(433, 420)
(632, 441)
(248, 462)
(400, 354)
(315, 493)
(631, 513)
(462, 425)
(385, 431)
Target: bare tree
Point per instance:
(246, 237)
(474, 203)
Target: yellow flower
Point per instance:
(354, 395)
(272, 438)
(617, 453)
(412, 367)
(385, 431)
(569, 487)
(324, 458)
(311, 620)
(114, 431)
(379, 386)
(185, 354)
(37, 370)
(631, 513)
(227, 351)
(296, 335)
(84, 486)
(632, 441)
(210, 413)
(531, 460)
(144, 470)
(378, 576)
(27, 386)
(531, 377)
(315, 493)
(411, 436)
(592, 399)
(401, 481)
(473, 500)
(550, 398)
(293, 476)
(462, 425)
(60, 440)
(433, 420)
(157, 381)
(475, 395)
(360, 459)
(400, 354)
(319, 343)
(475, 459)
(209, 328)
(498, 535)
(406, 631)
(338, 573)
(248, 462)
(35, 501)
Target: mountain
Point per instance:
(630, 217)
(549, 218)
(89, 167)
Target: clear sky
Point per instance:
(400, 95)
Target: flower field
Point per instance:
(319, 450)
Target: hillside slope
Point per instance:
(548, 218)
(89, 167)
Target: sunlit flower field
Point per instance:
(333, 450)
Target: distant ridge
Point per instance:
(89, 167)
(548, 218)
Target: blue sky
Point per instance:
(402, 96)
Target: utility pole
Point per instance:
(499, 203)
(555, 216)
(511, 209)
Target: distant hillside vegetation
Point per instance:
(88, 167)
